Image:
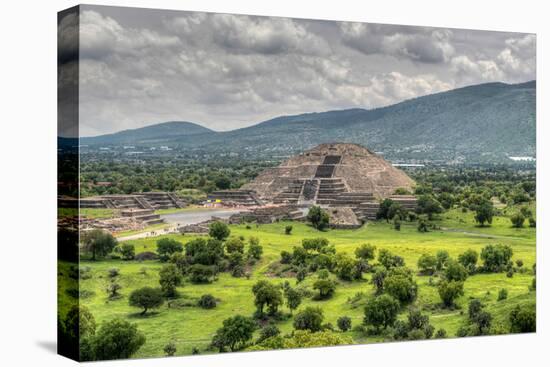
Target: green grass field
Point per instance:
(192, 327)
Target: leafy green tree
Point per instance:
(170, 278)
(79, 323)
(384, 209)
(293, 298)
(236, 263)
(468, 259)
(320, 244)
(98, 243)
(255, 250)
(447, 200)
(455, 271)
(180, 260)
(517, 220)
(267, 294)
(301, 274)
(389, 260)
(222, 183)
(288, 229)
(496, 257)
(450, 291)
(365, 252)
(235, 333)
(484, 213)
(416, 327)
(286, 257)
(442, 257)
(427, 264)
(346, 267)
(427, 204)
(168, 246)
(523, 319)
(396, 210)
(219, 230)
(378, 277)
(326, 288)
(128, 251)
(267, 332)
(311, 318)
(234, 244)
(318, 217)
(401, 287)
(116, 339)
(199, 273)
(146, 298)
(397, 223)
(482, 323)
(474, 308)
(381, 311)
(344, 323)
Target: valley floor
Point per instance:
(192, 327)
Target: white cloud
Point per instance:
(102, 36)
(229, 71)
(414, 43)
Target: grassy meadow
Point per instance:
(189, 326)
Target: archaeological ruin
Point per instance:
(339, 175)
(142, 200)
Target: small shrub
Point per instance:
(207, 301)
(422, 226)
(502, 294)
(85, 272)
(517, 220)
(344, 323)
(268, 331)
(170, 349)
(441, 334)
(288, 230)
(113, 272)
(523, 319)
(127, 251)
(146, 255)
(112, 290)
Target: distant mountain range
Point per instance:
(152, 134)
(485, 122)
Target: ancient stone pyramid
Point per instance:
(330, 174)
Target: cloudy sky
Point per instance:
(139, 67)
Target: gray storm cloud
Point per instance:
(225, 71)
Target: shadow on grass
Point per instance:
(148, 315)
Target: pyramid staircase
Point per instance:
(329, 190)
(291, 194)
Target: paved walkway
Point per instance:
(184, 218)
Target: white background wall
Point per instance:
(28, 156)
